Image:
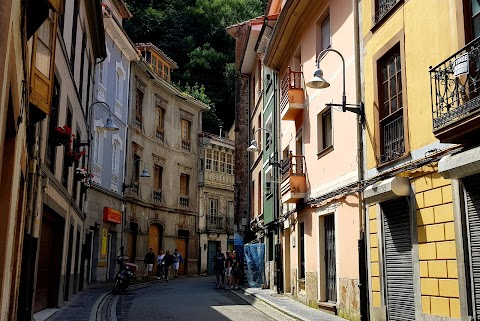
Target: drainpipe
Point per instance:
(362, 245)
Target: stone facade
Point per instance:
(162, 208)
(216, 200)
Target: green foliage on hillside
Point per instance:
(192, 33)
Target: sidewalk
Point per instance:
(77, 308)
(289, 306)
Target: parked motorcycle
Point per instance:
(123, 277)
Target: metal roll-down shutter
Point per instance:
(472, 200)
(398, 260)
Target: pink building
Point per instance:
(318, 146)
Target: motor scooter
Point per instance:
(123, 277)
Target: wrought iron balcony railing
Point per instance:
(157, 196)
(135, 188)
(184, 201)
(382, 8)
(292, 80)
(159, 134)
(185, 145)
(455, 86)
(392, 142)
(215, 223)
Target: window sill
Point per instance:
(324, 151)
(386, 164)
(385, 17)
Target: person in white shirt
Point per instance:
(160, 265)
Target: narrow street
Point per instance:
(191, 299)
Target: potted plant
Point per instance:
(63, 136)
(86, 184)
(72, 157)
(81, 174)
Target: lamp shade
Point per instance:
(253, 146)
(318, 81)
(110, 125)
(145, 173)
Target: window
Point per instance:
(323, 34)
(382, 7)
(260, 131)
(42, 64)
(213, 208)
(96, 151)
(52, 124)
(138, 107)
(100, 73)
(118, 94)
(301, 249)
(208, 157)
(82, 63)
(136, 167)
(229, 163)
(158, 177)
(259, 195)
(115, 157)
(73, 48)
(166, 73)
(391, 129)
(160, 117)
(222, 162)
(185, 129)
(184, 184)
(324, 123)
(215, 160)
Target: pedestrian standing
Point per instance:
(177, 259)
(168, 261)
(228, 270)
(160, 265)
(237, 269)
(219, 267)
(149, 261)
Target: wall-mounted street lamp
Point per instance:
(110, 125)
(255, 148)
(145, 173)
(318, 82)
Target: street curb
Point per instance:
(273, 305)
(96, 306)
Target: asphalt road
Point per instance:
(190, 299)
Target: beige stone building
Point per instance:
(216, 201)
(162, 209)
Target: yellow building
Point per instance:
(416, 119)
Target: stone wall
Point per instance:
(349, 305)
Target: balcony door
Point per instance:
(472, 19)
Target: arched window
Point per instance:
(116, 148)
(118, 85)
(96, 151)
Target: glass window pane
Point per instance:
(394, 103)
(385, 93)
(475, 7)
(42, 59)
(400, 101)
(476, 26)
(326, 33)
(386, 110)
(393, 87)
(391, 66)
(399, 63)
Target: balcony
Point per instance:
(292, 95)
(382, 9)
(159, 134)
(294, 180)
(184, 201)
(185, 145)
(215, 223)
(157, 196)
(455, 87)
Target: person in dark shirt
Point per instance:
(149, 261)
(168, 260)
(228, 270)
(219, 267)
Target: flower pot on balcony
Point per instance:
(72, 157)
(81, 174)
(62, 136)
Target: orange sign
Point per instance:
(112, 215)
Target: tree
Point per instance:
(192, 33)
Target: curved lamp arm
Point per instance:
(322, 55)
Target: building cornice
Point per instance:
(96, 28)
(290, 24)
(162, 84)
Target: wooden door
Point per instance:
(154, 240)
(182, 248)
(45, 259)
